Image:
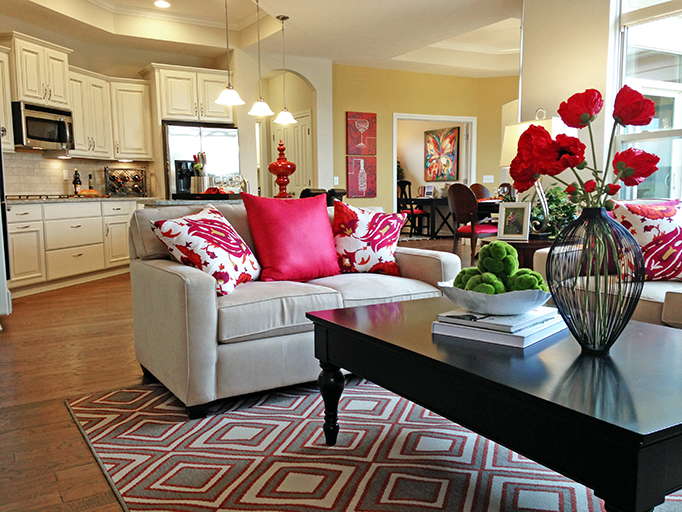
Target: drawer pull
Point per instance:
(22, 213)
(116, 209)
(76, 226)
(23, 227)
(77, 255)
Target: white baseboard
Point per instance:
(67, 281)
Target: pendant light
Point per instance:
(229, 96)
(284, 117)
(260, 108)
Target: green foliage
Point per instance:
(561, 210)
(400, 172)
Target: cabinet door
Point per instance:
(80, 115)
(100, 118)
(57, 78)
(6, 106)
(26, 253)
(30, 70)
(131, 109)
(116, 241)
(210, 87)
(178, 95)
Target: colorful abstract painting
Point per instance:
(361, 135)
(361, 177)
(441, 154)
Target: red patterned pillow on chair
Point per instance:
(207, 241)
(657, 227)
(366, 241)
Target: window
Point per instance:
(652, 64)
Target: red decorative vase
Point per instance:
(282, 168)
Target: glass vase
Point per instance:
(595, 273)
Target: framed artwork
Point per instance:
(361, 133)
(514, 222)
(441, 154)
(361, 177)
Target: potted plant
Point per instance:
(561, 210)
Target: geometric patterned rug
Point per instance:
(266, 452)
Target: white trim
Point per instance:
(651, 13)
(468, 168)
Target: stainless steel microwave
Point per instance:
(41, 127)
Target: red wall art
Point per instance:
(362, 176)
(361, 135)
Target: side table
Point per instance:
(526, 250)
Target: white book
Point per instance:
(504, 323)
(519, 339)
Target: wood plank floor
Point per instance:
(57, 345)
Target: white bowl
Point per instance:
(510, 303)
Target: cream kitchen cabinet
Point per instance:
(115, 220)
(132, 121)
(26, 246)
(189, 94)
(40, 70)
(91, 103)
(6, 130)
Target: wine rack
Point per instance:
(125, 182)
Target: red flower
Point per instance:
(613, 189)
(570, 189)
(633, 166)
(524, 168)
(631, 108)
(590, 186)
(581, 108)
(557, 156)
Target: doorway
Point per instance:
(298, 141)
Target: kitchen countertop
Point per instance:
(143, 200)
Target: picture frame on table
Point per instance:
(514, 222)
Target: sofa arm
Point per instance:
(672, 309)
(175, 324)
(426, 265)
(540, 261)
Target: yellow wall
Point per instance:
(384, 92)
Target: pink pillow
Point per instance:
(207, 241)
(293, 237)
(657, 227)
(366, 241)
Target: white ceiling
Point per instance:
(474, 38)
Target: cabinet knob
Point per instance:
(49, 90)
(196, 110)
(3, 131)
(202, 109)
(118, 150)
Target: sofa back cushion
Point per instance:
(145, 245)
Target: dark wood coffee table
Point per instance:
(613, 424)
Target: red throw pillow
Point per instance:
(293, 237)
(366, 241)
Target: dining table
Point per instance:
(440, 216)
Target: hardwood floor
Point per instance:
(54, 346)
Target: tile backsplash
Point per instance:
(29, 173)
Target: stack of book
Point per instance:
(511, 330)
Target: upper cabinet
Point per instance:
(40, 69)
(132, 123)
(189, 94)
(6, 107)
(91, 104)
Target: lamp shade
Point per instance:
(284, 117)
(512, 132)
(229, 97)
(261, 109)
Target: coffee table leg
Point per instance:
(331, 384)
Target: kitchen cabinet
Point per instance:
(40, 70)
(132, 124)
(115, 220)
(91, 104)
(6, 130)
(26, 247)
(189, 94)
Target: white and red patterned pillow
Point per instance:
(207, 241)
(657, 227)
(366, 241)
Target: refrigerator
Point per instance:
(5, 295)
(216, 146)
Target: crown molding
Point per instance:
(116, 9)
(474, 48)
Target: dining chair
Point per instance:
(464, 208)
(415, 216)
(481, 191)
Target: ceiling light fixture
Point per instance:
(229, 96)
(162, 4)
(260, 108)
(284, 117)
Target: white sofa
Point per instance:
(203, 347)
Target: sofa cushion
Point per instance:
(205, 240)
(366, 241)
(293, 237)
(261, 309)
(365, 289)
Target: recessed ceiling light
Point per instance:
(162, 3)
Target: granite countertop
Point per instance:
(143, 200)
